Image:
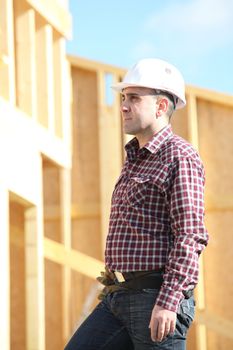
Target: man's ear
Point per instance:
(162, 107)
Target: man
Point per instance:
(156, 229)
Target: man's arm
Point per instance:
(186, 206)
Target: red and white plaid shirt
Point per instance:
(157, 214)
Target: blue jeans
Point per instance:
(121, 320)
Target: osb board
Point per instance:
(53, 306)
(215, 128)
(215, 125)
(83, 298)
(51, 197)
(191, 337)
(218, 267)
(179, 122)
(86, 223)
(85, 171)
(217, 342)
(17, 278)
(85, 236)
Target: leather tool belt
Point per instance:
(139, 279)
(136, 280)
(143, 279)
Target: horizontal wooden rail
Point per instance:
(91, 267)
(215, 323)
(77, 261)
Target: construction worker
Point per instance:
(156, 228)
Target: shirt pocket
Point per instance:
(137, 189)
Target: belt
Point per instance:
(143, 279)
(126, 276)
(139, 279)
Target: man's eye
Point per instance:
(133, 98)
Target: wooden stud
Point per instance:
(7, 66)
(110, 150)
(34, 279)
(55, 14)
(65, 191)
(25, 58)
(58, 68)
(45, 83)
(200, 291)
(4, 270)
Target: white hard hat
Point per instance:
(155, 74)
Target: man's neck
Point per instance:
(143, 139)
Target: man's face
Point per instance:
(138, 109)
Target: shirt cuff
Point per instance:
(168, 299)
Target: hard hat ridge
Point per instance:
(155, 74)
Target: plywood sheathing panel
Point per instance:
(215, 139)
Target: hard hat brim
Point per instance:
(119, 87)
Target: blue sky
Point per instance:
(194, 35)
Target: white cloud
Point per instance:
(194, 27)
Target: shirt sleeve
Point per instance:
(186, 207)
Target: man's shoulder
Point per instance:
(177, 148)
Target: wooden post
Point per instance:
(7, 68)
(200, 291)
(25, 58)
(58, 68)
(110, 150)
(65, 191)
(45, 83)
(4, 270)
(34, 279)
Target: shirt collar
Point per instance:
(133, 150)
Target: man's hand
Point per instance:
(162, 323)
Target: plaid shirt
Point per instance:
(157, 214)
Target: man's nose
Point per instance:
(124, 107)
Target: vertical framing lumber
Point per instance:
(7, 67)
(25, 58)
(4, 270)
(34, 278)
(58, 68)
(65, 190)
(110, 149)
(201, 338)
(192, 120)
(45, 82)
(66, 93)
(17, 274)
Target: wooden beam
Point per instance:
(25, 58)
(80, 262)
(4, 270)
(92, 210)
(7, 55)
(192, 120)
(35, 299)
(81, 62)
(45, 76)
(200, 292)
(67, 102)
(110, 149)
(55, 14)
(65, 208)
(212, 96)
(59, 60)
